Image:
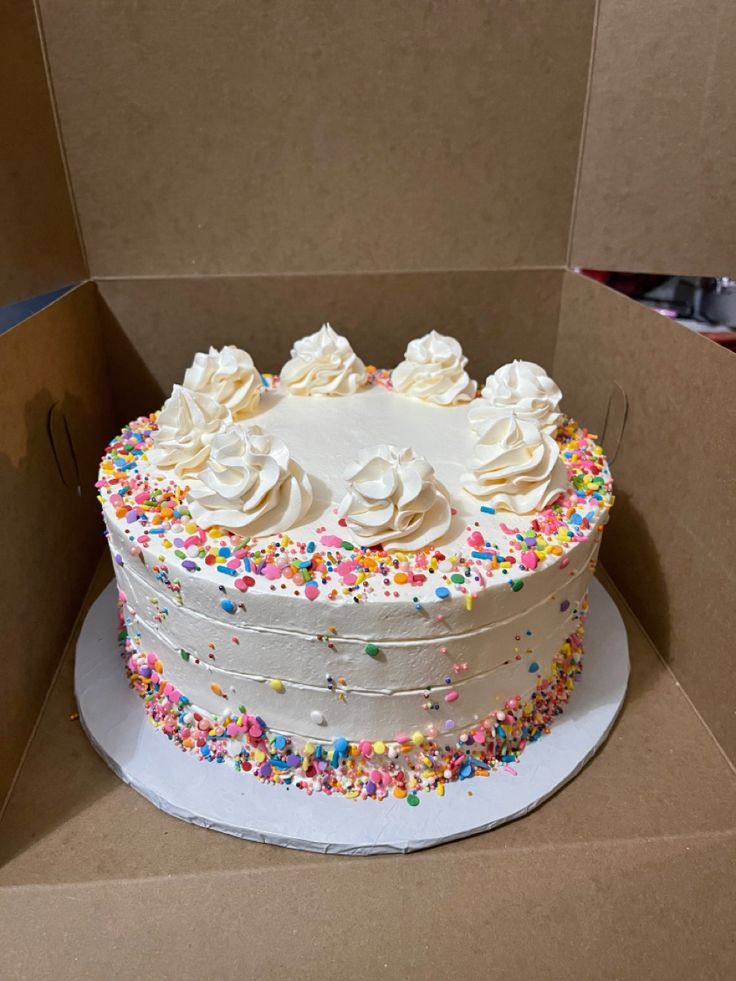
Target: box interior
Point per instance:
(238, 173)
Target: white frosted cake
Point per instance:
(352, 580)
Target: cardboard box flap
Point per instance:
(39, 247)
(235, 138)
(657, 184)
(55, 420)
(673, 527)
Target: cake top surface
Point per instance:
(373, 493)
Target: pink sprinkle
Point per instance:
(330, 541)
(529, 560)
(233, 729)
(311, 591)
(564, 562)
(511, 770)
(232, 563)
(476, 540)
(344, 568)
(349, 579)
(272, 572)
(451, 696)
(242, 585)
(506, 530)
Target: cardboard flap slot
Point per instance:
(62, 446)
(617, 412)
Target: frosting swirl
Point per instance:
(229, 377)
(434, 371)
(250, 484)
(393, 498)
(187, 425)
(323, 364)
(517, 467)
(523, 387)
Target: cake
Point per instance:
(352, 580)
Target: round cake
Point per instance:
(352, 580)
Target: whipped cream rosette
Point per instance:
(394, 499)
(433, 370)
(522, 387)
(323, 364)
(227, 376)
(187, 424)
(250, 484)
(516, 467)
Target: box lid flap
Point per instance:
(279, 137)
(657, 182)
(39, 247)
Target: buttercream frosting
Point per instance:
(187, 424)
(250, 484)
(516, 467)
(323, 364)
(227, 376)
(523, 387)
(393, 498)
(433, 370)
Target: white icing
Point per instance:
(250, 484)
(520, 386)
(393, 498)
(517, 467)
(227, 376)
(323, 364)
(187, 424)
(434, 371)
(278, 632)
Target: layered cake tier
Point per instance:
(354, 580)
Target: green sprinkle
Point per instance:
(456, 577)
(348, 545)
(371, 649)
(517, 584)
(185, 655)
(412, 800)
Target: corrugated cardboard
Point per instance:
(55, 420)
(675, 480)
(39, 248)
(657, 184)
(272, 136)
(211, 144)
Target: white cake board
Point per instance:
(219, 797)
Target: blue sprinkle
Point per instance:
(307, 564)
(341, 744)
(227, 572)
(465, 771)
(246, 563)
(508, 759)
(204, 750)
(228, 605)
(487, 510)
(482, 555)
(576, 519)
(224, 552)
(335, 758)
(310, 546)
(442, 592)
(279, 742)
(318, 752)
(279, 764)
(533, 667)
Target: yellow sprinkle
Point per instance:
(379, 748)
(276, 685)
(308, 749)
(468, 601)
(417, 738)
(441, 788)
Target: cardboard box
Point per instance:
(228, 172)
